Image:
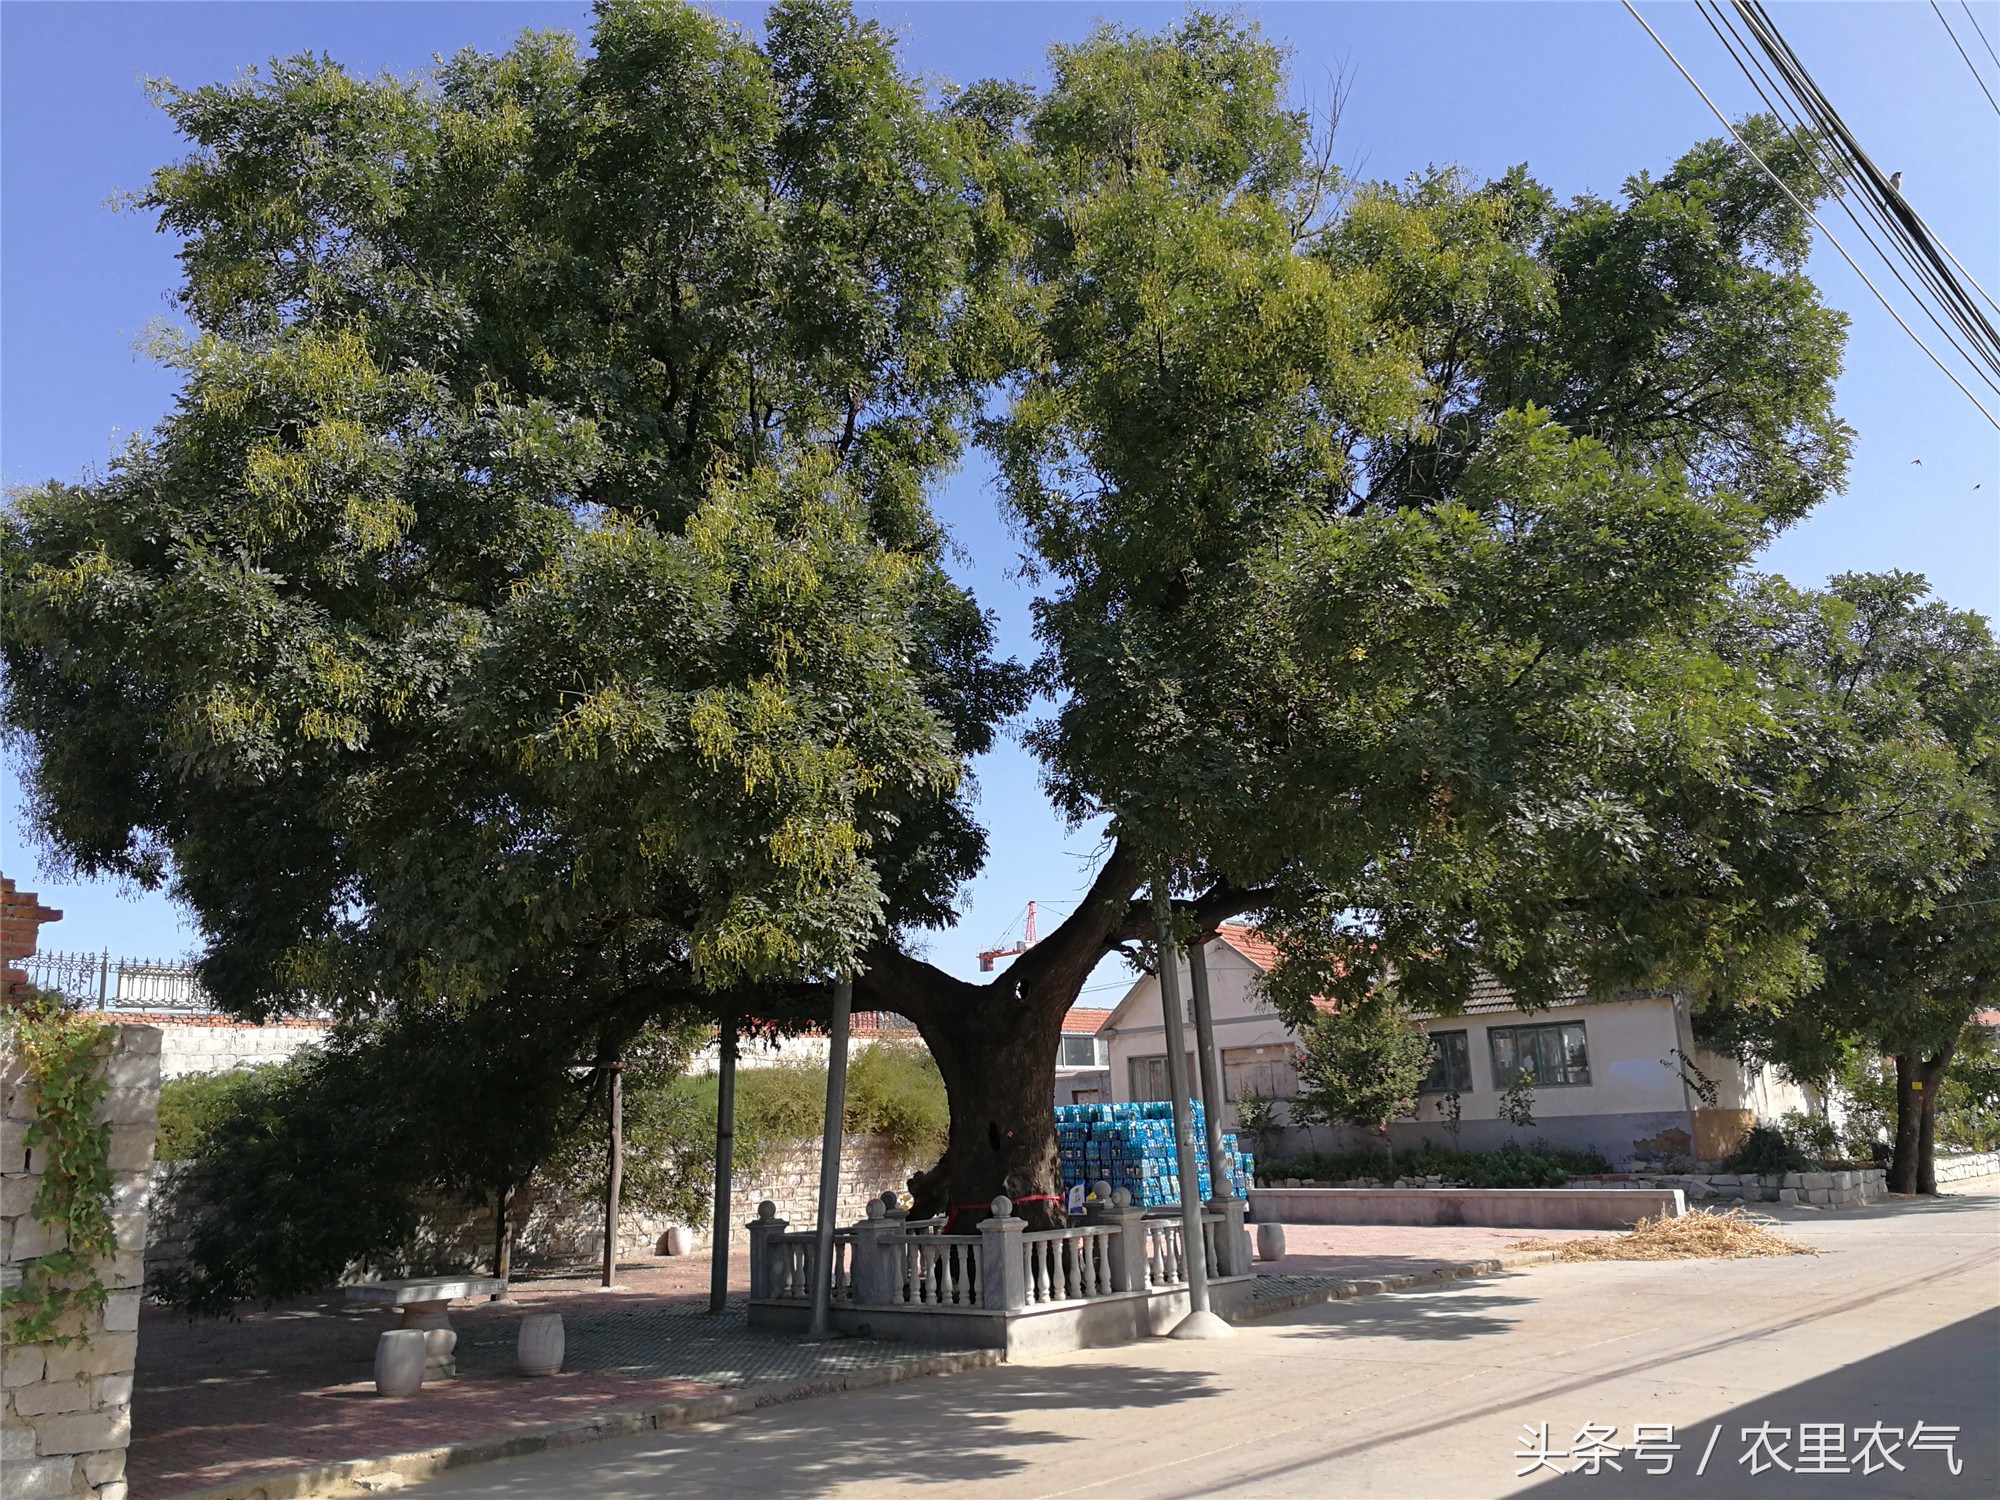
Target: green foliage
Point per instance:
(190, 1108)
(1257, 1118)
(1537, 1164)
(1517, 1100)
(1968, 1106)
(1767, 1149)
(334, 1158)
(1361, 1065)
(532, 586)
(1899, 706)
(62, 1053)
(895, 1090)
(1813, 1138)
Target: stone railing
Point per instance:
(885, 1262)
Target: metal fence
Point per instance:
(101, 982)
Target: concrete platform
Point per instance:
(1501, 1208)
(1121, 1318)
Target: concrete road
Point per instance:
(1434, 1393)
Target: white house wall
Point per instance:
(1634, 1105)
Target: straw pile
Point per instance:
(1699, 1234)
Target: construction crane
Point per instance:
(990, 959)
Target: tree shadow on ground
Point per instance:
(1449, 1311)
(1950, 1377)
(948, 1431)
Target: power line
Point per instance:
(1920, 245)
(1747, 58)
(1785, 188)
(1936, 11)
(1982, 32)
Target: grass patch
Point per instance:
(1700, 1234)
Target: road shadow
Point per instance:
(1950, 1377)
(946, 1431)
(1449, 1311)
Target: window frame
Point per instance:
(1538, 1033)
(1232, 1093)
(1461, 1082)
(1159, 1060)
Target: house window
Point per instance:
(1555, 1054)
(1149, 1078)
(1084, 1052)
(1269, 1070)
(1083, 1096)
(1451, 1064)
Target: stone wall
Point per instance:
(66, 1414)
(1830, 1189)
(555, 1230)
(788, 1175)
(216, 1044)
(1975, 1164)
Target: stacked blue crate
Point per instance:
(1132, 1146)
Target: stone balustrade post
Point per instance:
(892, 1206)
(1232, 1237)
(875, 1251)
(1003, 1259)
(762, 1229)
(1128, 1246)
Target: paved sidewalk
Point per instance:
(1423, 1394)
(290, 1388)
(287, 1389)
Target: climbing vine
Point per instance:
(61, 1053)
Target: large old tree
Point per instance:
(535, 585)
(1896, 706)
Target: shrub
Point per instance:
(1513, 1165)
(894, 1089)
(191, 1107)
(1766, 1149)
(1812, 1137)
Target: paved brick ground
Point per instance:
(290, 1387)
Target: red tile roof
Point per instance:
(1251, 943)
(1082, 1022)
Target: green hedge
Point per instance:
(1510, 1166)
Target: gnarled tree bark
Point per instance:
(995, 1043)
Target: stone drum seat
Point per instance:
(426, 1304)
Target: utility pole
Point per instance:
(820, 1325)
(725, 1166)
(1220, 1181)
(615, 1179)
(1200, 1323)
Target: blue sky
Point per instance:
(1578, 91)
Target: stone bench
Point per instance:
(426, 1304)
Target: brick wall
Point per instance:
(66, 1414)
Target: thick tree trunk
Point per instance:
(503, 1238)
(996, 1043)
(1913, 1167)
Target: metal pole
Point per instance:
(1200, 1323)
(1220, 1183)
(725, 1167)
(616, 1179)
(829, 1161)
